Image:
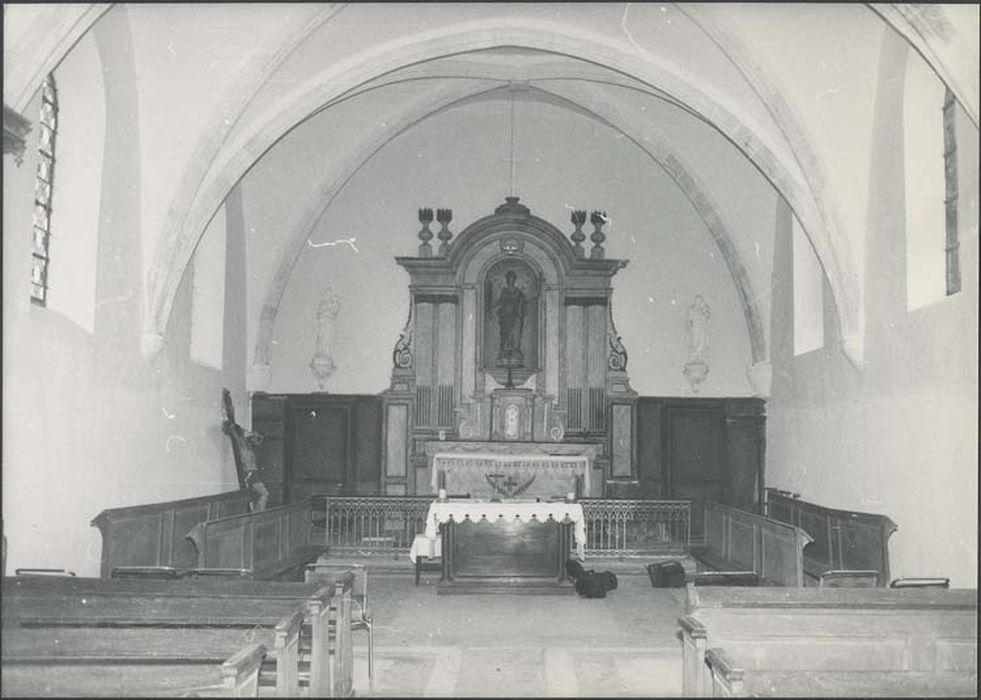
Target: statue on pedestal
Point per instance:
(322, 363)
(510, 307)
(697, 322)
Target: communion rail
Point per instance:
(372, 525)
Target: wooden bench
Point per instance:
(274, 544)
(738, 541)
(728, 680)
(61, 622)
(154, 534)
(843, 539)
(827, 629)
(237, 676)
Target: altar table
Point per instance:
(511, 546)
(476, 510)
(489, 474)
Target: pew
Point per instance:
(237, 676)
(739, 542)
(154, 534)
(832, 630)
(843, 539)
(104, 621)
(274, 544)
(731, 681)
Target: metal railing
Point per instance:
(371, 524)
(619, 527)
(615, 527)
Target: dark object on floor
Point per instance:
(668, 574)
(590, 584)
(727, 578)
(608, 579)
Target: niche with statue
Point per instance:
(509, 344)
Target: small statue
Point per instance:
(697, 322)
(511, 306)
(322, 363)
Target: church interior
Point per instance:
(299, 294)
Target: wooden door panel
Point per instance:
(320, 450)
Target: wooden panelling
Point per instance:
(154, 534)
(315, 444)
(843, 539)
(742, 541)
(842, 630)
(702, 449)
(272, 543)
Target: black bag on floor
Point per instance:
(669, 574)
(590, 585)
(608, 579)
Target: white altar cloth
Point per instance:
(525, 511)
(559, 470)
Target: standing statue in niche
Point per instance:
(322, 363)
(511, 306)
(697, 323)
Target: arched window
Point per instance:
(43, 190)
(950, 196)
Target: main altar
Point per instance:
(509, 396)
(509, 378)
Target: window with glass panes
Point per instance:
(950, 196)
(44, 183)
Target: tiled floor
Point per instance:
(521, 646)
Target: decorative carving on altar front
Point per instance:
(510, 338)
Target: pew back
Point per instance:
(154, 534)
(843, 539)
(829, 629)
(174, 621)
(741, 541)
(274, 544)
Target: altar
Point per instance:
(518, 546)
(510, 469)
(509, 378)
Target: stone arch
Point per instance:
(658, 149)
(929, 31)
(177, 243)
(43, 45)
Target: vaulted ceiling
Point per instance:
(733, 105)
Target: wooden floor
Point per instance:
(521, 646)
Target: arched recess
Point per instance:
(42, 46)
(176, 244)
(587, 99)
(766, 87)
(941, 44)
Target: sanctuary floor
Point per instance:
(521, 646)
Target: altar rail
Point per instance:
(614, 527)
(636, 527)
